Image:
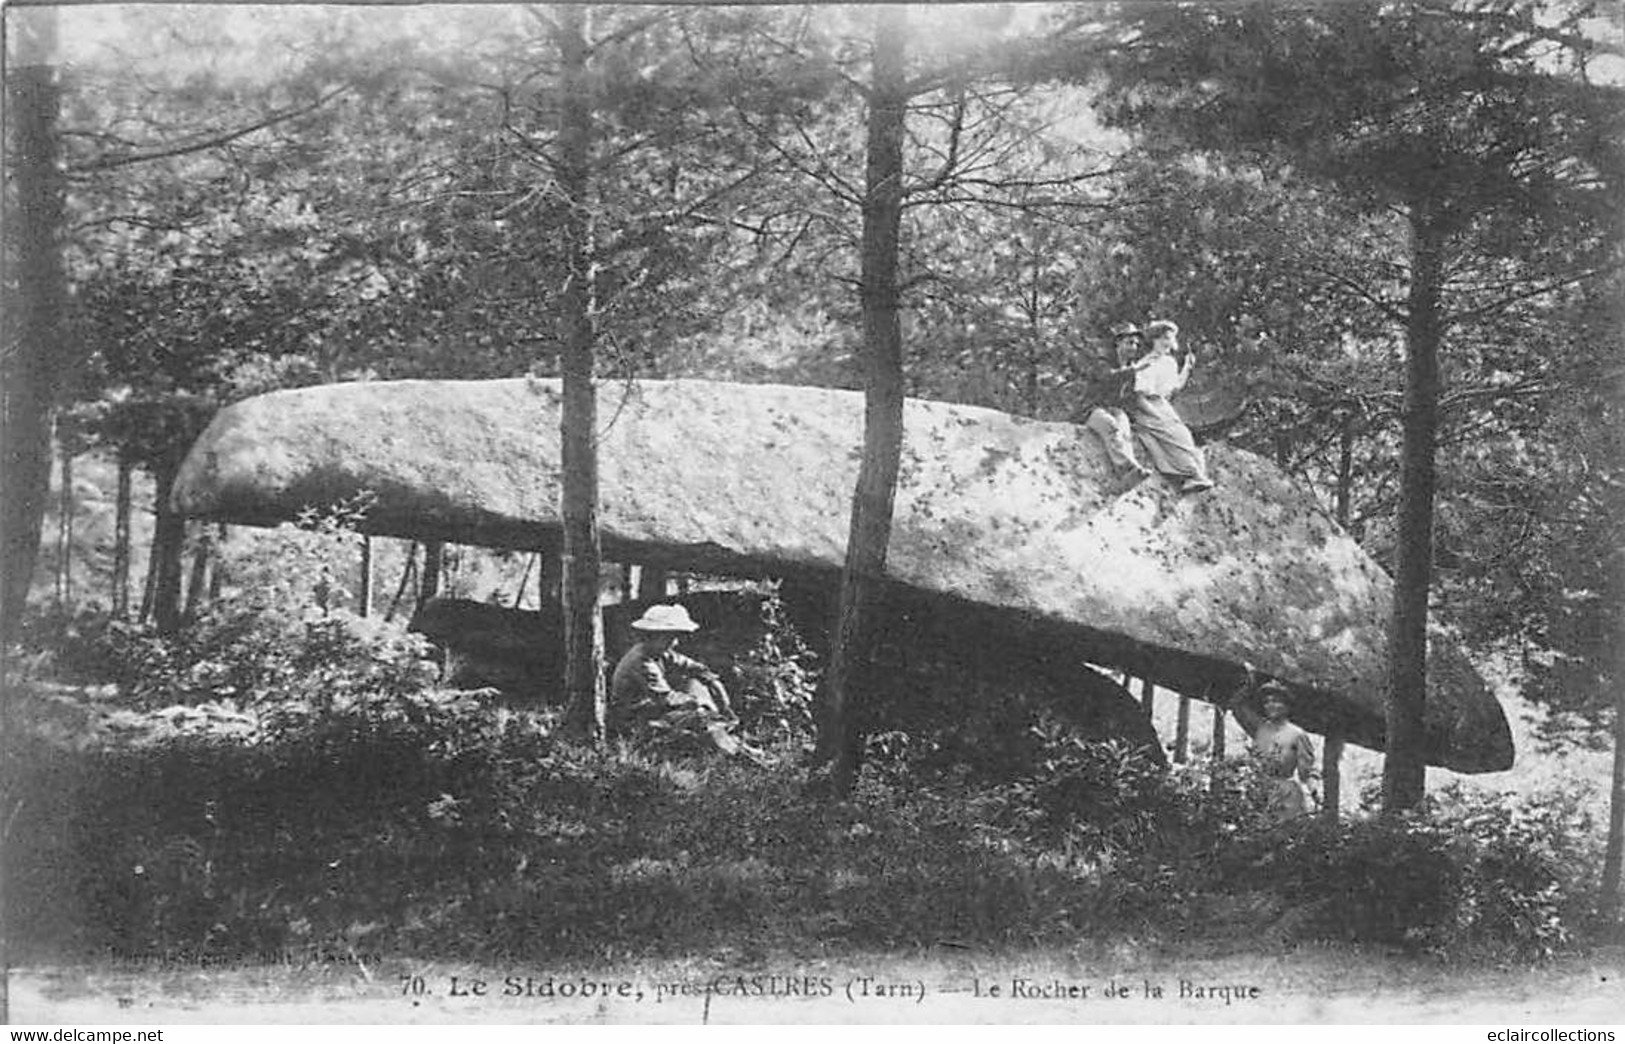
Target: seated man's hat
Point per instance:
(1125, 330)
(665, 618)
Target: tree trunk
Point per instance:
(1148, 698)
(434, 557)
(1182, 731)
(1344, 495)
(30, 334)
(1608, 894)
(863, 574)
(524, 579)
(121, 537)
(1216, 754)
(578, 509)
(149, 583)
(1404, 766)
(652, 583)
(32, 364)
(550, 582)
(1331, 763)
(217, 567)
(1036, 346)
(168, 544)
(197, 587)
(64, 527)
(1331, 772)
(409, 573)
(365, 594)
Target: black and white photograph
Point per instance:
(1094, 514)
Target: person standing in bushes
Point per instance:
(657, 690)
(1282, 751)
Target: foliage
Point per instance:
(451, 830)
(927, 730)
(1557, 497)
(1479, 121)
(363, 818)
(396, 221)
(1447, 105)
(230, 654)
(196, 846)
(399, 218)
(776, 680)
(1471, 874)
(1101, 798)
(1479, 124)
(283, 635)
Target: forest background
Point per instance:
(245, 199)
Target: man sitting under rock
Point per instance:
(657, 691)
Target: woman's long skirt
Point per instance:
(1167, 442)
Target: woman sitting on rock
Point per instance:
(1164, 436)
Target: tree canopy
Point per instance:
(374, 195)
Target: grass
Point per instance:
(432, 826)
(346, 823)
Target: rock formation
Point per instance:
(1010, 538)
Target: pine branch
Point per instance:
(1389, 310)
(213, 141)
(1510, 300)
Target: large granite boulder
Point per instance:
(1010, 535)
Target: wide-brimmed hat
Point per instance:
(1277, 690)
(1125, 330)
(1158, 327)
(669, 618)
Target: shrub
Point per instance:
(777, 678)
(429, 823)
(931, 728)
(332, 819)
(259, 658)
(1216, 803)
(370, 812)
(1099, 797)
(1529, 883)
(452, 828)
(282, 634)
(1395, 882)
(1468, 873)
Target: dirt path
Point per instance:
(1317, 984)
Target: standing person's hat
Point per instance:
(665, 618)
(1158, 327)
(1277, 690)
(1125, 330)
